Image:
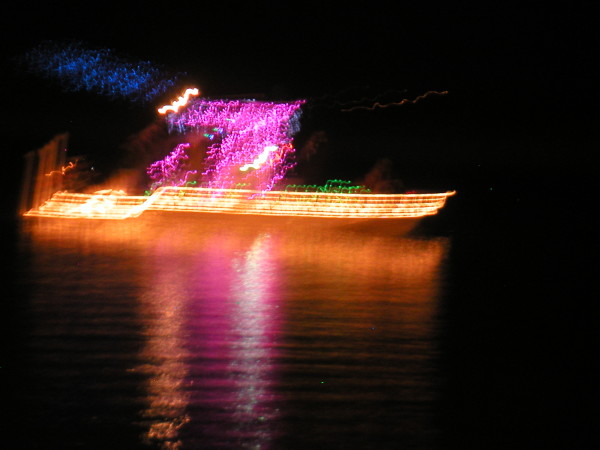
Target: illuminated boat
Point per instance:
(246, 161)
(337, 208)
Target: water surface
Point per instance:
(204, 335)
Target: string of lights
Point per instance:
(112, 204)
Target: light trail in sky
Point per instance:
(378, 105)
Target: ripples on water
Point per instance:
(211, 336)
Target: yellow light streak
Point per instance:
(181, 101)
(260, 159)
(111, 204)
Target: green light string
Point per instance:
(332, 186)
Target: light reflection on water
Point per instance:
(242, 337)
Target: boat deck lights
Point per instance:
(116, 205)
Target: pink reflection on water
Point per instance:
(235, 343)
(254, 321)
(211, 306)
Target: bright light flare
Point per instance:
(181, 101)
(260, 159)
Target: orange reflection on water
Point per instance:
(166, 359)
(229, 313)
(375, 280)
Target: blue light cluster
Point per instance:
(99, 71)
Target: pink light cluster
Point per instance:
(240, 131)
(172, 170)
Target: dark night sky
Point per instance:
(521, 88)
(520, 117)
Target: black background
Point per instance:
(521, 95)
(516, 136)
